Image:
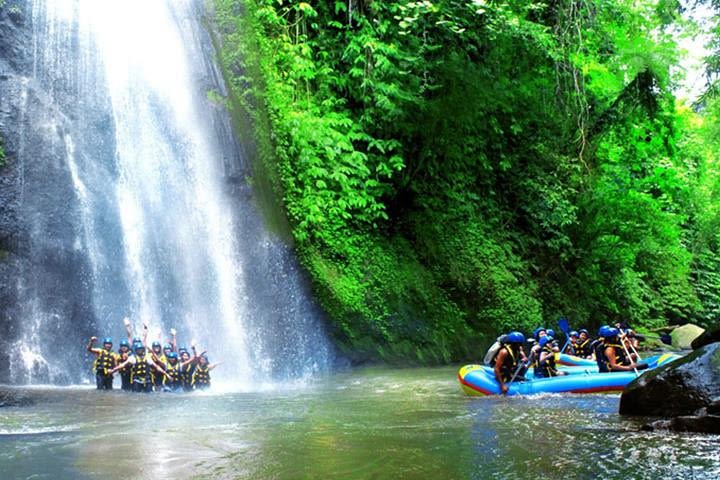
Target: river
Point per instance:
(361, 424)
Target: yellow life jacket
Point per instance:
(201, 376)
(174, 372)
(620, 357)
(122, 357)
(186, 374)
(140, 369)
(547, 367)
(583, 349)
(105, 362)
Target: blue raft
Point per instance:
(480, 380)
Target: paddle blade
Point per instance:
(564, 325)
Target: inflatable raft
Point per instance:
(573, 361)
(480, 380)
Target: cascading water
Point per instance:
(145, 204)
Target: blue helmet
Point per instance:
(182, 349)
(155, 344)
(537, 331)
(124, 343)
(172, 356)
(573, 333)
(584, 330)
(138, 346)
(611, 332)
(515, 337)
(545, 340)
(167, 346)
(136, 340)
(550, 332)
(601, 330)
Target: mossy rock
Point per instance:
(682, 337)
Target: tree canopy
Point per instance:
(452, 169)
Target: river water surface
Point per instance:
(363, 424)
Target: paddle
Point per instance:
(565, 328)
(664, 338)
(637, 374)
(623, 336)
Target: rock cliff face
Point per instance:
(125, 194)
(42, 274)
(14, 64)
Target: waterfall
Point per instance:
(146, 204)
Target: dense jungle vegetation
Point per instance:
(452, 169)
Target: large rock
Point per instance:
(679, 388)
(682, 337)
(710, 336)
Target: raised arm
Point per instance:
(121, 365)
(173, 339)
(213, 365)
(160, 369)
(544, 356)
(154, 356)
(90, 348)
(128, 329)
(187, 362)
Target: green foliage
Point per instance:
(3, 156)
(454, 169)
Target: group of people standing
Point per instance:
(614, 350)
(160, 368)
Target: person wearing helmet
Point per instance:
(582, 348)
(571, 348)
(104, 363)
(201, 375)
(554, 344)
(174, 383)
(617, 358)
(133, 339)
(141, 363)
(538, 333)
(159, 358)
(509, 359)
(546, 362)
(631, 342)
(123, 354)
(187, 368)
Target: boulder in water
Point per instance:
(14, 397)
(681, 387)
(699, 424)
(710, 336)
(682, 337)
